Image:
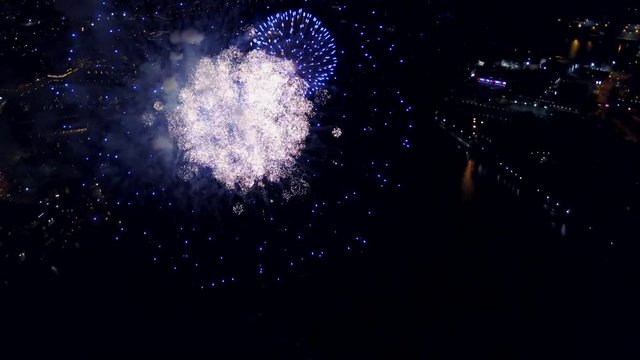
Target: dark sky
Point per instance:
(77, 8)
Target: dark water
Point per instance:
(461, 268)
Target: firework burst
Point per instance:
(244, 117)
(300, 37)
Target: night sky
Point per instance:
(319, 179)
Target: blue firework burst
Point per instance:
(300, 37)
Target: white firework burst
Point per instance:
(238, 209)
(148, 119)
(243, 116)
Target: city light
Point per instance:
(492, 82)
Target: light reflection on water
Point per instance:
(469, 193)
(468, 183)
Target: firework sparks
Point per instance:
(300, 37)
(243, 116)
(4, 188)
(238, 209)
(298, 187)
(148, 119)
